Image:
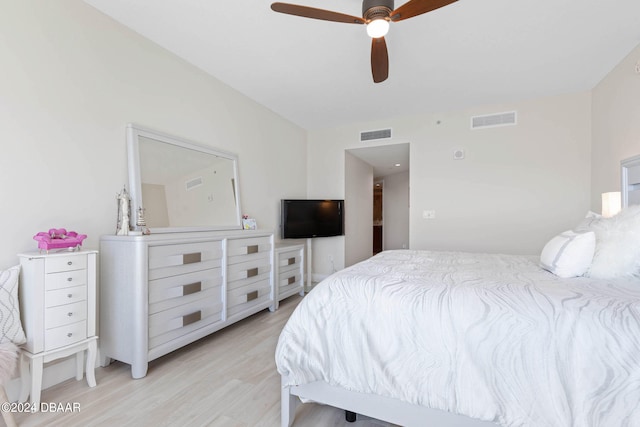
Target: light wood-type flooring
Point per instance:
(227, 379)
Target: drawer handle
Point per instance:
(191, 258)
(252, 295)
(69, 314)
(69, 263)
(191, 318)
(291, 261)
(191, 288)
(252, 272)
(69, 279)
(69, 334)
(69, 295)
(291, 280)
(253, 249)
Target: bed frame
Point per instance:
(379, 407)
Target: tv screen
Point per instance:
(302, 219)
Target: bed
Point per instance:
(421, 338)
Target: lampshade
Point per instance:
(611, 203)
(377, 28)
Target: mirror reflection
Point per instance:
(184, 185)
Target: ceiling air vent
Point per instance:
(371, 135)
(494, 120)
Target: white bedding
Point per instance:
(493, 337)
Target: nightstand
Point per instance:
(58, 309)
(289, 274)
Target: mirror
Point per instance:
(182, 186)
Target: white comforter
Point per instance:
(492, 337)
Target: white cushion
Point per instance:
(569, 254)
(617, 245)
(10, 325)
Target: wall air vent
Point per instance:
(494, 120)
(193, 183)
(372, 135)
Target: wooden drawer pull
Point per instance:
(291, 280)
(291, 261)
(191, 318)
(191, 288)
(252, 272)
(253, 249)
(252, 295)
(191, 258)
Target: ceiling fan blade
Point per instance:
(379, 60)
(312, 12)
(417, 7)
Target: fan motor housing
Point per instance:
(375, 4)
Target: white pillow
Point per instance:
(617, 245)
(10, 325)
(569, 254)
(590, 219)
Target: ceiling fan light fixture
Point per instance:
(378, 28)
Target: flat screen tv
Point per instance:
(302, 219)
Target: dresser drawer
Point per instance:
(56, 264)
(170, 324)
(176, 290)
(248, 269)
(172, 260)
(248, 296)
(239, 249)
(65, 314)
(65, 279)
(65, 296)
(65, 335)
(289, 260)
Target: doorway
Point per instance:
(378, 219)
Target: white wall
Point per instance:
(358, 210)
(71, 80)
(616, 125)
(517, 186)
(395, 211)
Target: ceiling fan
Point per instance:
(376, 15)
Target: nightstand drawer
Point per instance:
(172, 260)
(55, 264)
(292, 279)
(65, 296)
(65, 279)
(65, 335)
(65, 314)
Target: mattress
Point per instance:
(494, 337)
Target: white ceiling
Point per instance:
(317, 73)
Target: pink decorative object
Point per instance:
(58, 238)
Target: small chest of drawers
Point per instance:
(289, 270)
(58, 310)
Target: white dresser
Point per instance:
(58, 310)
(161, 292)
(289, 274)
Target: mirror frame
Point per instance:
(134, 132)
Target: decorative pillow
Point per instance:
(617, 245)
(10, 325)
(569, 254)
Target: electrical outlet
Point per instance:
(429, 214)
